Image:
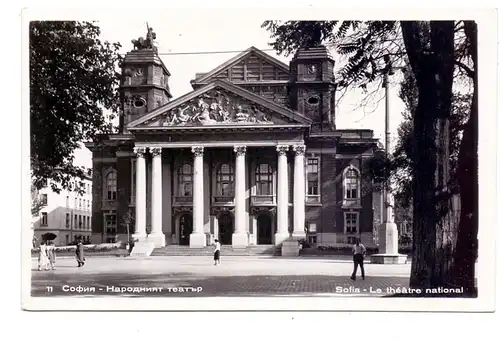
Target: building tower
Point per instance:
(312, 87)
(144, 83)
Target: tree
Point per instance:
(73, 80)
(372, 48)
(401, 165)
(467, 243)
(36, 203)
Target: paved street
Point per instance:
(236, 276)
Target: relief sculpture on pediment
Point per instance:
(216, 108)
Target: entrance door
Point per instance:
(185, 229)
(225, 229)
(264, 231)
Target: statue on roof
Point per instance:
(147, 43)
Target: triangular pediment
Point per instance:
(219, 104)
(252, 65)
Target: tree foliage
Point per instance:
(366, 45)
(36, 203)
(439, 54)
(73, 81)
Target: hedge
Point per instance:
(103, 247)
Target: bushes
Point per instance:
(104, 247)
(345, 250)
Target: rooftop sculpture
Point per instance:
(147, 43)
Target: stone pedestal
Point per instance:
(142, 249)
(388, 246)
(290, 248)
(158, 239)
(388, 259)
(139, 237)
(298, 235)
(280, 237)
(240, 240)
(197, 240)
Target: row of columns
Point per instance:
(240, 238)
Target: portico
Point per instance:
(245, 205)
(228, 160)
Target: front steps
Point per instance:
(226, 250)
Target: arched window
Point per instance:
(264, 180)
(185, 177)
(225, 180)
(352, 188)
(111, 186)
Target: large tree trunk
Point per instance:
(466, 250)
(430, 52)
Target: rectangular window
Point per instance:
(83, 222)
(351, 188)
(68, 218)
(110, 223)
(312, 177)
(44, 219)
(67, 201)
(111, 186)
(79, 221)
(88, 205)
(351, 222)
(75, 221)
(88, 222)
(313, 191)
(76, 203)
(43, 199)
(265, 188)
(187, 189)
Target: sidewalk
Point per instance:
(236, 276)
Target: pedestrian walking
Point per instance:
(43, 259)
(359, 252)
(217, 253)
(51, 253)
(79, 254)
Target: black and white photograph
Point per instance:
(197, 156)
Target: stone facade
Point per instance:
(67, 214)
(230, 160)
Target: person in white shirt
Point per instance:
(359, 252)
(217, 252)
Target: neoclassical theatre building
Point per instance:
(251, 156)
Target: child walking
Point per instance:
(217, 253)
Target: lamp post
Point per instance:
(388, 230)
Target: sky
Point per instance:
(195, 31)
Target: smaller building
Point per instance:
(67, 214)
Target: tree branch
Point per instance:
(465, 68)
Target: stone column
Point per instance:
(240, 237)
(282, 232)
(299, 196)
(156, 199)
(140, 194)
(197, 238)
